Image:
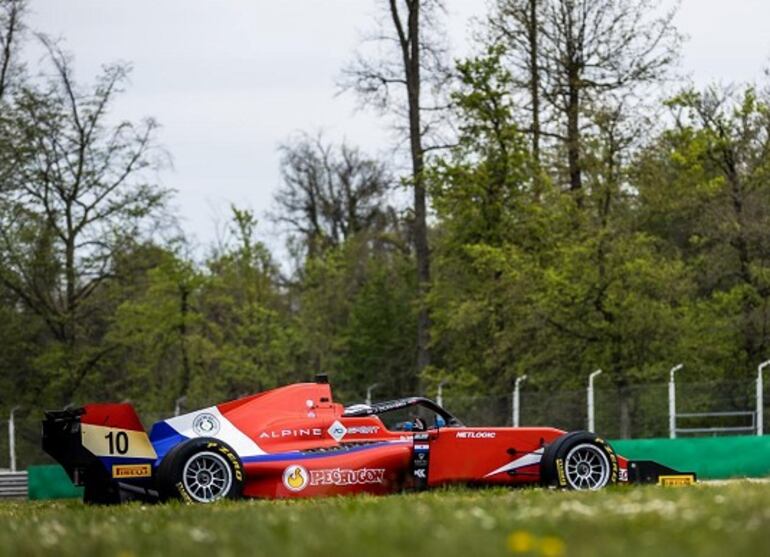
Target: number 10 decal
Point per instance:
(118, 442)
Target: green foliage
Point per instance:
(480, 189)
(658, 260)
(245, 318)
(357, 317)
(703, 187)
(653, 251)
(379, 338)
(205, 335)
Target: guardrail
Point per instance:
(13, 485)
(716, 429)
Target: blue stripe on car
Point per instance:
(298, 455)
(164, 438)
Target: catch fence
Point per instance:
(640, 411)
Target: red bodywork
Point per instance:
(294, 447)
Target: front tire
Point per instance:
(580, 461)
(201, 470)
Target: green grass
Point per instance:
(723, 520)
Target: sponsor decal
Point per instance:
(678, 480)
(560, 472)
(131, 471)
(242, 445)
(529, 459)
(337, 431)
(341, 476)
(284, 433)
(183, 493)
(614, 464)
(295, 477)
(420, 464)
(475, 435)
(623, 475)
(205, 424)
(615, 473)
(381, 407)
(236, 464)
(364, 430)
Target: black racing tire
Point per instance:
(201, 470)
(99, 488)
(579, 460)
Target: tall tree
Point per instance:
(413, 59)
(480, 193)
(80, 190)
(154, 331)
(704, 184)
(516, 23)
(11, 27)
(329, 194)
(588, 52)
(247, 321)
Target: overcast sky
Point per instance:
(231, 79)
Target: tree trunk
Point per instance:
(534, 84)
(11, 30)
(70, 277)
(572, 72)
(740, 243)
(410, 49)
(573, 135)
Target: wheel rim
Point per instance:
(587, 467)
(206, 477)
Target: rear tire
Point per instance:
(100, 489)
(201, 470)
(579, 460)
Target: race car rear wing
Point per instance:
(102, 447)
(62, 440)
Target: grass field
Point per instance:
(732, 519)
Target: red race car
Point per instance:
(295, 441)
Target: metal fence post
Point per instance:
(178, 405)
(440, 393)
(672, 401)
(12, 438)
(369, 390)
(516, 407)
(761, 399)
(590, 397)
